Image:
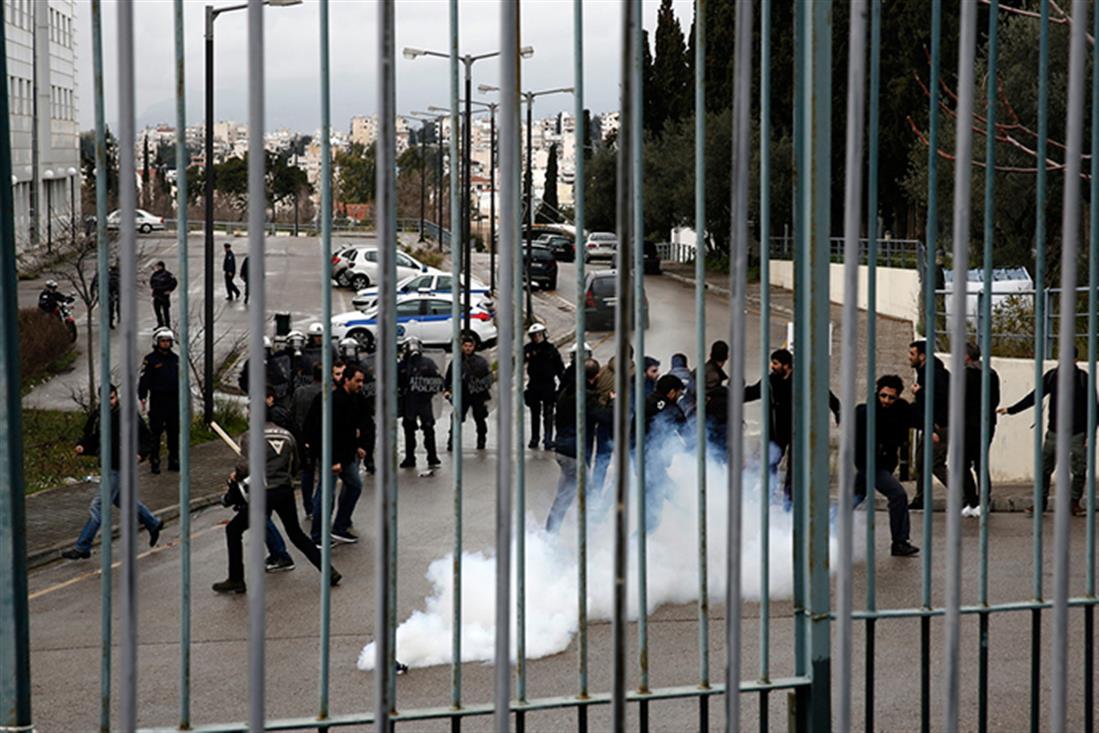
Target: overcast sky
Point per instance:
(293, 57)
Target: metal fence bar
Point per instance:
(764, 357)
(637, 249)
(986, 363)
(1093, 352)
(927, 379)
(1070, 236)
(967, 42)
(324, 470)
(184, 380)
(456, 377)
(852, 221)
(15, 663)
(127, 255)
(582, 354)
(386, 405)
(257, 373)
(1039, 350)
(621, 458)
(738, 283)
(896, 613)
(815, 311)
(506, 372)
(103, 246)
(871, 351)
(700, 356)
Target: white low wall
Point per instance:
(898, 288)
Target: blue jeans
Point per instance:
(308, 485)
(91, 527)
(349, 496)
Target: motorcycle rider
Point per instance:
(51, 299)
(162, 283)
(159, 384)
(476, 390)
(544, 368)
(417, 382)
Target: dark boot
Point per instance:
(409, 448)
(481, 440)
(429, 446)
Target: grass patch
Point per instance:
(44, 348)
(227, 414)
(49, 437)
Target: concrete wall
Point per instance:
(898, 289)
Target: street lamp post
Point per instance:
(296, 188)
(48, 178)
(72, 205)
(436, 126)
(468, 61)
(208, 204)
(528, 180)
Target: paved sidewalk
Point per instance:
(55, 516)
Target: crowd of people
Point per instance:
(294, 428)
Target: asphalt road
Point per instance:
(65, 608)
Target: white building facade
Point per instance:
(43, 104)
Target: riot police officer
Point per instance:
(417, 382)
(544, 369)
(476, 390)
(300, 372)
(278, 374)
(159, 384)
(313, 351)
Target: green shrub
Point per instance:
(44, 347)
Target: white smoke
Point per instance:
(424, 639)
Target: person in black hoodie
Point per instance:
(476, 390)
(566, 445)
(781, 381)
(347, 452)
(894, 418)
(89, 446)
(1079, 440)
(940, 405)
(973, 465)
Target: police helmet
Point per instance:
(349, 348)
(267, 342)
(296, 339)
(587, 348)
(51, 285)
(163, 334)
(316, 328)
(413, 345)
(536, 328)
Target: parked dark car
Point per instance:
(600, 301)
(563, 248)
(543, 266)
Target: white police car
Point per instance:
(426, 315)
(430, 283)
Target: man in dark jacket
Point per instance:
(781, 384)
(940, 405)
(229, 268)
(347, 452)
(652, 373)
(281, 463)
(566, 445)
(159, 384)
(418, 382)
(244, 278)
(680, 369)
(1078, 442)
(300, 403)
(162, 283)
(894, 418)
(664, 424)
(973, 467)
(476, 390)
(544, 369)
(89, 446)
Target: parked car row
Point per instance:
(357, 267)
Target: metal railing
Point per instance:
(311, 229)
(816, 675)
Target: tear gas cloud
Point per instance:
(424, 638)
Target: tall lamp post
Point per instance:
(528, 179)
(423, 120)
(48, 178)
(491, 107)
(468, 61)
(212, 14)
(72, 205)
